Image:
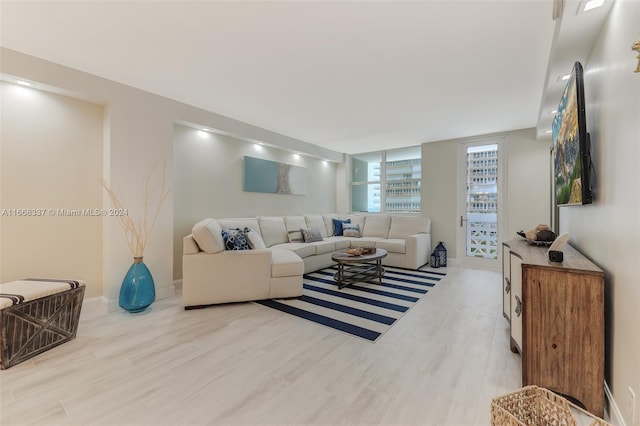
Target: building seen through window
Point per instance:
(387, 181)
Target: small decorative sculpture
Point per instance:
(636, 46)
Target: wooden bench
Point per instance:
(37, 314)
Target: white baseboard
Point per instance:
(94, 306)
(614, 414)
(177, 285)
(102, 305)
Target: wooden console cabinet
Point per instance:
(556, 312)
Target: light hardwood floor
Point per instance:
(245, 364)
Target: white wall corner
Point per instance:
(612, 412)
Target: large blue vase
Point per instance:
(138, 291)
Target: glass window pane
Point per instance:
(482, 201)
(365, 198)
(405, 163)
(366, 167)
(403, 197)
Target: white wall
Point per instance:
(51, 161)
(528, 186)
(208, 182)
(138, 133)
(608, 231)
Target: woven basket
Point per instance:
(537, 406)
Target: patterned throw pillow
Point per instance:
(337, 225)
(310, 235)
(295, 236)
(254, 239)
(235, 239)
(351, 230)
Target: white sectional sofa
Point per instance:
(274, 268)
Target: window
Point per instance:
(386, 181)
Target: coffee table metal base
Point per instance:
(349, 273)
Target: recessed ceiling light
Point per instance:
(258, 146)
(592, 4)
(553, 112)
(24, 83)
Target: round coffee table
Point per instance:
(362, 268)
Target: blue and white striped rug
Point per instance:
(365, 310)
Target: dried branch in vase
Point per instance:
(137, 233)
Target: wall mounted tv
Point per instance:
(571, 145)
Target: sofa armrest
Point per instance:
(227, 276)
(418, 249)
(189, 245)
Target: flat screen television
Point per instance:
(571, 145)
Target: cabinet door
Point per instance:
(506, 282)
(516, 303)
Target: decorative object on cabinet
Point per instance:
(540, 235)
(556, 315)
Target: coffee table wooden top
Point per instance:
(344, 257)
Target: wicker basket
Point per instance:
(533, 405)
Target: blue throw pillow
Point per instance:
(337, 225)
(235, 239)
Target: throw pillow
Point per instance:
(235, 239)
(337, 225)
(254, 239)
(295, 236)
(351, 230)
(311, 235)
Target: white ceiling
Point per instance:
(352, 76)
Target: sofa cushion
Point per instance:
(340, 242)
(301, 249)
(328, 222)
(366, 241)
(323, 246)
(351, 230)
(208, 235)
(317, 221)
(376, 226)
(392, 245)
(273, 230)
(285, 263)
(405, 226)
(311, 234)
(294, 222)
(235, 239)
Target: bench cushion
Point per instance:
(17, 292)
